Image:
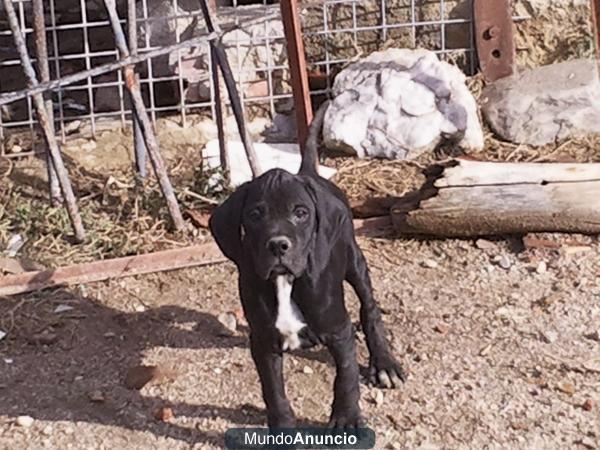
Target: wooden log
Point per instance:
(472, 198)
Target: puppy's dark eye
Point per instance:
(255, 215)
(300, 213)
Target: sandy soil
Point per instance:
(497, 357)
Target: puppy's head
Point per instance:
(278, 224)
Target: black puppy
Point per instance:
(292, 239)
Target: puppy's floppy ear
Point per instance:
(226, 224)
(332, 217)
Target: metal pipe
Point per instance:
(140, 110)
(220, 55)
(47, 128)
(41, 48)
(141, 153)
(105, 68)
(298, 72)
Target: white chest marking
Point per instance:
(287, 321)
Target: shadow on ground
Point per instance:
(52, 362)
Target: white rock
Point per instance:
(430, 264)
(545, 104)
(541, 267)
(398, 103)
(2, 335)
(307, 370)
(62, 308)
(270, 156)
(24, 421)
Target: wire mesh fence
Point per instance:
(335, 32)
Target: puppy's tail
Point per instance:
(310, 158)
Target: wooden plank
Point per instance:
(472, 173)
(480, 198)
(298, 72)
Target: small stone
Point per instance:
(593, 336)
(218, 370)
(378, 397)
(587, 442)
(138, 376)
(2, 335)
(9, 360)
(517, 425)
(549, 336)
(566, 388)
(503, 261)
(588, 405)
(164, 414)
(307, 370)
(44, 338)
(47, 431)
(229, 321)
(485, 350)
(592, 365)
(16, 149)
(541, 267)
(62, 308)
(441, 328)
(484, 244)
(430, 264)
(25, 421)
(96, 397)
(572, 250)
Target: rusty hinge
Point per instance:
(494, 38)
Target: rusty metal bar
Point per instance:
(41, 48)
(105, 68)
(494, 38)
(141, 153)
(596, 25)
(47, 127)
(297, 62)
(140, 110)
(218, 52)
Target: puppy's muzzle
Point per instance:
(279, 246)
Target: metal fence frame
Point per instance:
(90, 57)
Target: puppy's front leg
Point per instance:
(384, 370)
(345, 410)
(269, 364)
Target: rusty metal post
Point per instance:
(494, 38)
(297, 62)
(140, 110)
(596, 26)
(141, 153)
(41, 48)
(47, 127)
(218, 52)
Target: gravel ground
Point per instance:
(500, 340)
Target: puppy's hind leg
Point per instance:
(384, 370)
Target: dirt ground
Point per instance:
(497, 357)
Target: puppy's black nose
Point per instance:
(279, 245)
